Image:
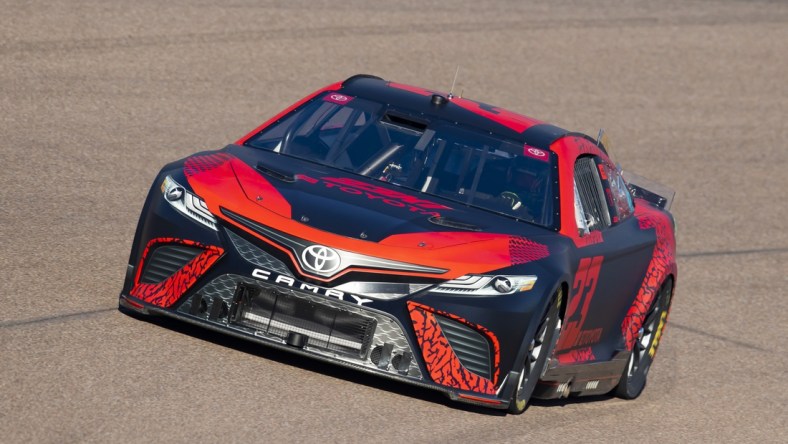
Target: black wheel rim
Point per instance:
(647, 341)
(530, 360)
(538, 347)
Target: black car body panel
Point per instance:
(368, 263)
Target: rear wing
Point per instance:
(653, 192)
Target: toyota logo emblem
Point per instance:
(339, 97)
(537, 152)
(320, 259)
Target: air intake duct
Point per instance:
(165, 261)
(471, 348)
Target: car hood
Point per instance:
(315, 204)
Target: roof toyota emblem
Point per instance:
(320, 259)
(537, 152)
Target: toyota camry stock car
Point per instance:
(419, 236)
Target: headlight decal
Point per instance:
(187, 203)
(487, 285)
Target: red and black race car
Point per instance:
(419, 236)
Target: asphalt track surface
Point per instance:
(95, 96)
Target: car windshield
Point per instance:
(428, 155)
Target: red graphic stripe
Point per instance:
(168, 291)
(203, 164)
(522, 250)
(259, 190)
(583, 290)
(576, 356)
(662, 263)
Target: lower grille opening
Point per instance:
(164, 261)
(275, 313)
(471, 348)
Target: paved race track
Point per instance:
(95, 96)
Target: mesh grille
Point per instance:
(471, 348)
(165, 261)
(257, 256)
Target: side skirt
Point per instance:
(598, 378)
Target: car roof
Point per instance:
(456, 109)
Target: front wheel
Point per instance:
(540, 348)
(633, 381)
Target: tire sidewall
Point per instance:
(521, 398)
(631, 385)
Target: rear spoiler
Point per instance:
(646, 189)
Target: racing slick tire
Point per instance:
(633, 380)
(540, 348)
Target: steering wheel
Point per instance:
(511, 199)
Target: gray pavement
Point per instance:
(95, 96)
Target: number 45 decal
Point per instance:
(583, 290)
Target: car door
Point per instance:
(608, 270)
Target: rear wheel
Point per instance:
(539, 350)
(633, 381)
